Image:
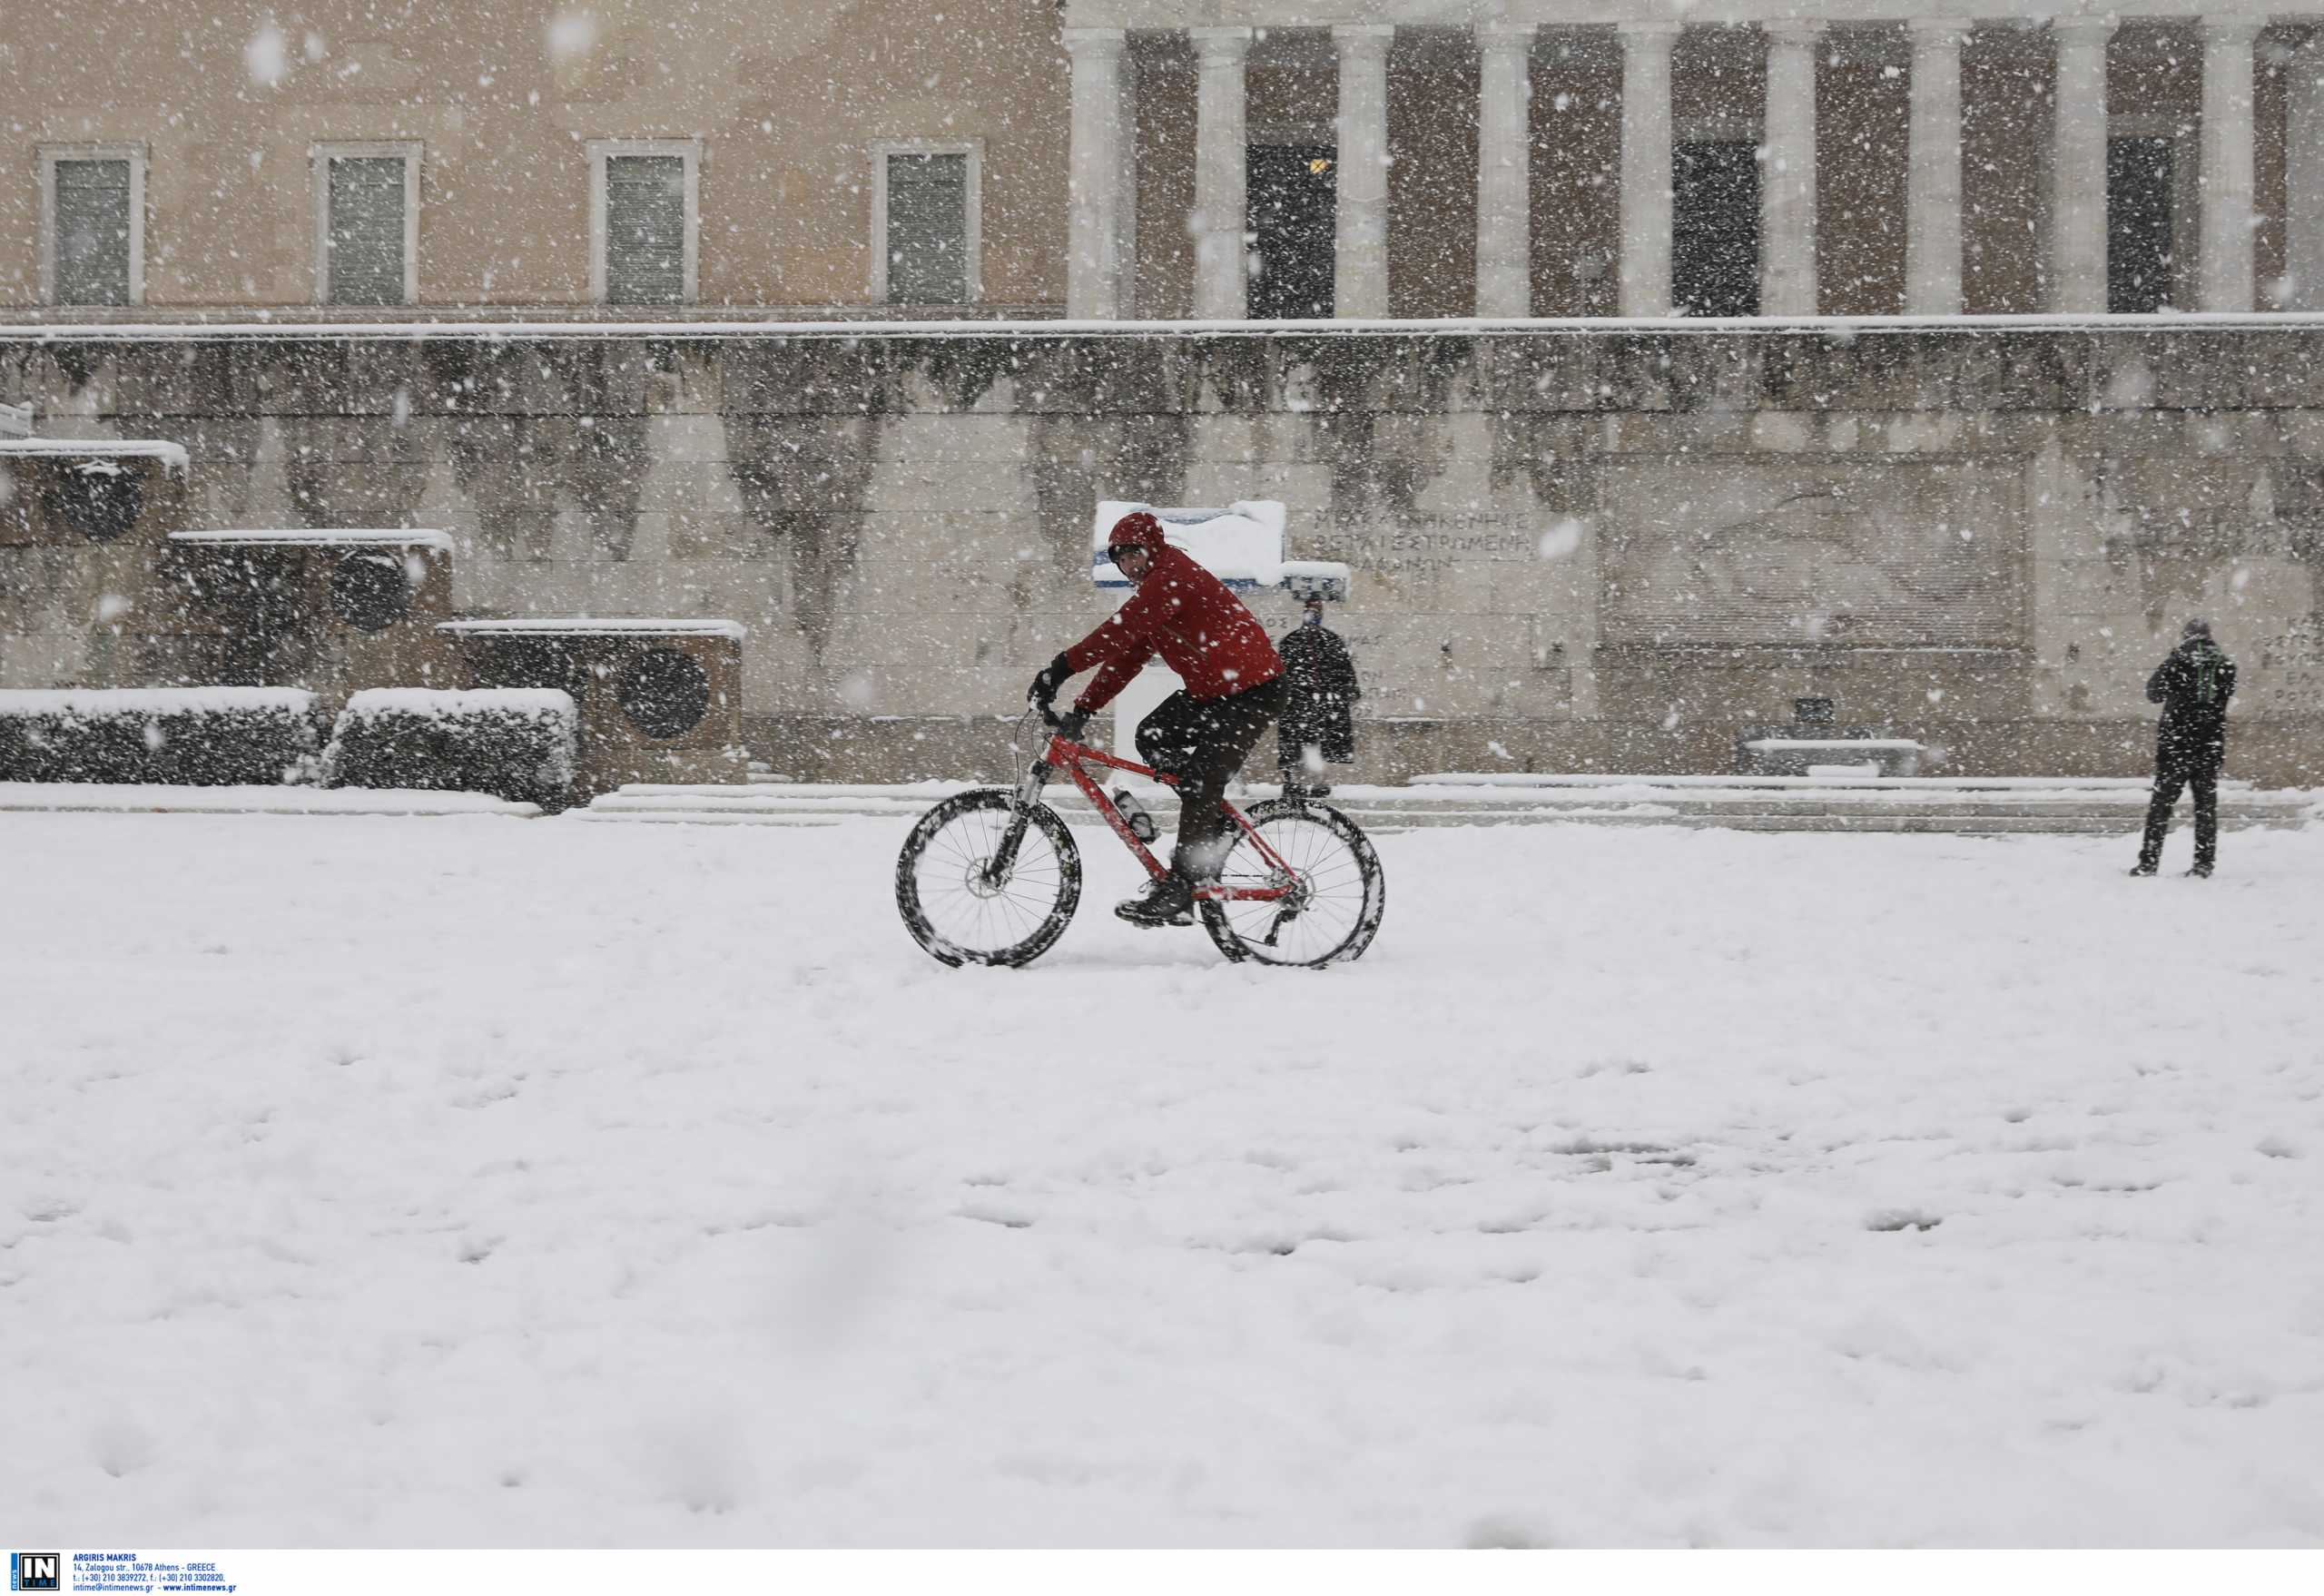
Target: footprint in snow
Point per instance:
(1901, 1220)
(1507, 1532)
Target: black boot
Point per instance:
(1168, 900)
(2143, 867)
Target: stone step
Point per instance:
(1527, 781)
(1388, 827)
(1390, 809)
(2110, 805)
(1551, 780)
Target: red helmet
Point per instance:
(1137, 529)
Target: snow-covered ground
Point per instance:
(389, 1181)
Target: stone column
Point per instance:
(1360, 258)
(1125, 188)
(2304, 177)
(1222, 267)
(2078, 166)
(1093, 260)
(1504, 171)
(1788, 174)
(2224, 263)
(1932, 184)
(1645, 167)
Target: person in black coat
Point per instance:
(1319, 681)
(2193, 686)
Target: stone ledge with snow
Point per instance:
(428, 539)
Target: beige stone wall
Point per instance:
(787, 101)
(1572, 551)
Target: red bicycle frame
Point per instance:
(1070, 757)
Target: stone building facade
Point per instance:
(782, 120)
(1163, 158)
(1890, 475)
(1853, 157)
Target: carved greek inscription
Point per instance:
(2290, 674)
(1450, 541)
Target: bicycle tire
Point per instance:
(1231, 925)
(979, 818)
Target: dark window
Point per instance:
(646, 230)
(1715, 228)
(2139, 172)
(92, 229)
(1293, 208)
(928, 230)
(363, 243)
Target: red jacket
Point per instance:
(1181, 611)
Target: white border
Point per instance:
(491, 1572)
(320, 156)
(974, 150)
(688, 150)
(50, 154)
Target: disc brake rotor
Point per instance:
(980, 882)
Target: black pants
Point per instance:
(2169, 778)
(1202, 741)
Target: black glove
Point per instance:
(1053, 677)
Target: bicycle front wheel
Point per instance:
(1334, 890)
(968, 897)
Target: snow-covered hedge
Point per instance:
(516, 741)
(183, 737)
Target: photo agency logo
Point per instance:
(35, 1570)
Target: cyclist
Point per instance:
(1201, 734)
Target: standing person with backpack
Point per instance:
(1318, 725)
(2193, 686)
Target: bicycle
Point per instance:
(993, 875)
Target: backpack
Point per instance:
(2204, 689)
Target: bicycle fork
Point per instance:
(998, 870)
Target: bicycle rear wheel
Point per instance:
(1337, 891)
(959, 907)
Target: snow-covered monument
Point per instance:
(1652, 369)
